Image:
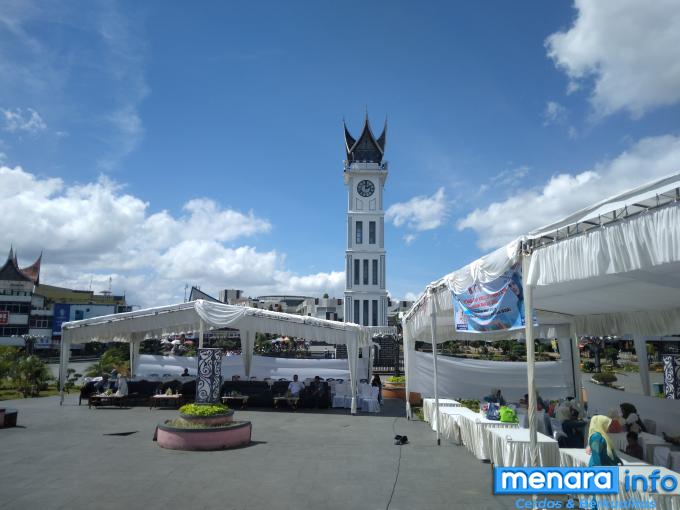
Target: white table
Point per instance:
(647, 441)
(451, 418)
(577, 457)
(429, 409)
(473, 433)
(510, 448)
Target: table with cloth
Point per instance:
(451, 418)
(638, 498)
(473, 429)
(577, 457)
(510, 448)
(429, 409)
(647, 441)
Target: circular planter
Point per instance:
(415, 399)
(394, 390)
(233, 435)
(215, 419)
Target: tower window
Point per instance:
(365, 271)
(357, 271)
(375, 271)
(356, 311)
(371, 232)
(374, 321)
(359, 232)
(365, 321)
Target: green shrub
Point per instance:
(472, 405)
(604, 377)
(396, 379)
(203, 409)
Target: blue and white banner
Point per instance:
(494, 306)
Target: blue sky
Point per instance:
(164, 143)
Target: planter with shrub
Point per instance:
(395, 387)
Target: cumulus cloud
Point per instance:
(628, 48)
(565, 193)
(96, 230)
(409, 238)
(554, 113)
(26, 121)
(420, 213)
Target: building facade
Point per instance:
(328, 308)
(365, 174)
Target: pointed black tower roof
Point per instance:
(11, 270)
(365, 149)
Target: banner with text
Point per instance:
(494, 306)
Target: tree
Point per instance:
(117, 356)
(325, 295)
(612, 354)
(31, 376)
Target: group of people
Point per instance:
(600, 445)
(113, 382)
(318, 389)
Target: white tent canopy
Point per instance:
(198, 315)
(609, 269)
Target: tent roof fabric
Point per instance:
(185, 317)
(620, 278)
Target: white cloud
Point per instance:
(27, 121)
(554, 113)
(94, 231)
(628, 47)
(565, 193)
(420, 213)
(409, 238)
(411, 296)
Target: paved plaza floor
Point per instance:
(66, 457)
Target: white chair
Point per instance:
(650, 426)
(557, 430)
(675, 461)
(662, 456)
(339, 395)
(371, 404)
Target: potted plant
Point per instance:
(206, 414)
(395, 387)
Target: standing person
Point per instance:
(600, 446)
(377, 382)
(496, 397)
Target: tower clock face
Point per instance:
(365, 188)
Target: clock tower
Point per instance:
(365, 175)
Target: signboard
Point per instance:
(62, 313)
(4, 317)
(494, 306)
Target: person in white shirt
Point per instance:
(295, 386)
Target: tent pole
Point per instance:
(643, 362)
(132, 359)
(63, 364)
(405, 346)
(200, 334)
(433, 328)
(529, 336)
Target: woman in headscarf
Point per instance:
(615, 426)
(600, 445)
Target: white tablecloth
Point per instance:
(473, 433)
(647, 441)
(577, 457)
(510, 448)
(451, 418)
(429, 414)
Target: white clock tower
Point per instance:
(365, 175)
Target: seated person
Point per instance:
(317, 391)
(540, 405)
(615, 427)
(122, 390)
(564, 409)
(186, 373)
(575, 431)
(495, 397)
(103, 385)
(632, 421)
(633, 448)
(295, 387)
